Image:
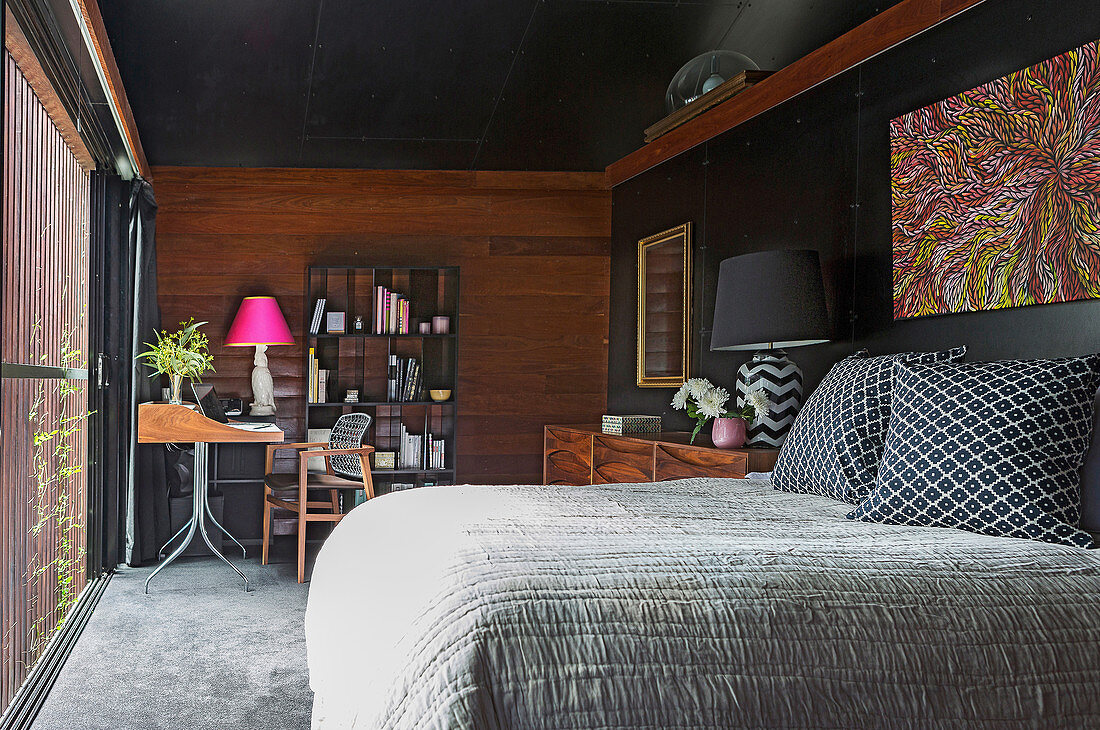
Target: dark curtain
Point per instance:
(111, 330)
(151, 522)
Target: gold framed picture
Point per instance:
(664, 308)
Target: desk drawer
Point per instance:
(618, 460)
(684, 462)
(568, 457)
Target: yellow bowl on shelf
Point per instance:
(439, 395)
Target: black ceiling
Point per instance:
(436, 84)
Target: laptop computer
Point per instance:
(209, 405)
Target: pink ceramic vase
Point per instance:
(728, 433)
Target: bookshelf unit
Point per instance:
(362, 360)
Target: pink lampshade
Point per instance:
(259, 321)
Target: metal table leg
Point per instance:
(195, 510)
(200, 507)
(160, 553)
(210, 514)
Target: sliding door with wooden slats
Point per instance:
(43, 393)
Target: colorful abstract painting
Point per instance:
(996, 192)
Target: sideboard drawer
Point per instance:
(617, 460)
(568, 457)
(684, 462)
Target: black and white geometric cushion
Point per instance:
(994, 448)
(835, 444)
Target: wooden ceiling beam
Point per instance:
(882, 32)
(20, 49)
(98, 31)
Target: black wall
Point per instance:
(815, 173)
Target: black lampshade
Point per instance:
(771, 299)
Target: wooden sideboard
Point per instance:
(578, 455)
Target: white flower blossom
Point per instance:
(697, 387)
(713, 402)
(679, 401)
(761, 406)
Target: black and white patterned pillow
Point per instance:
(835, 444)
(994, 448)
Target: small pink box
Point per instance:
(425, 328)
(441, 325)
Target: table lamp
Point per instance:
(767, 301)
(260, 322)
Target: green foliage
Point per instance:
(746, 411)
(183, 352)
(56, 470)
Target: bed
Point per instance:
(701, 603)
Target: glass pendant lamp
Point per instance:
(705, 73)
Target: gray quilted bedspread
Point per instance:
(694, 604)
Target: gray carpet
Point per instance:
(197, 652)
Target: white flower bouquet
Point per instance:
(703, 400)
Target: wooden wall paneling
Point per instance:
(534, 249)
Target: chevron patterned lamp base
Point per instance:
(781, 380)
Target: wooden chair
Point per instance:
(346, 467)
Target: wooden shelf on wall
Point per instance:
(887, 29)
(727, 90)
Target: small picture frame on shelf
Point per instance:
(335, 323)
(385, 459)
(352, 396)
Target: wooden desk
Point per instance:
(165, 423)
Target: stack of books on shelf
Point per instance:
(318, 380)
(391, 312)
(421, 451)
(318, 313)
(436, 453)
(405, 381)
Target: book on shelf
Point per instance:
(392, 312)
(412, 375)
(318, 379)
(376, 327)
(318, 312)
(312, 390)
(391, 379)
(405, 380)
(420, 451)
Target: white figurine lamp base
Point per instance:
(263, 387)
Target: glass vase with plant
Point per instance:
(180, 354)
(703, 400)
